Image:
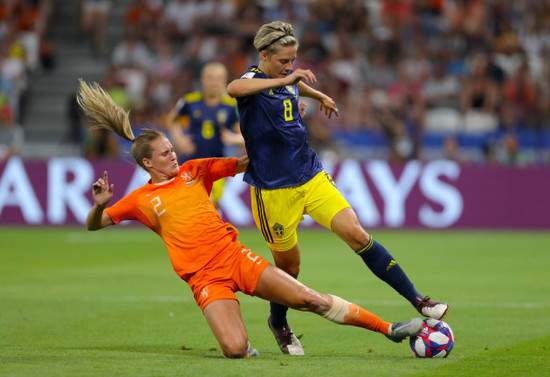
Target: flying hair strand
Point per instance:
(100, 108)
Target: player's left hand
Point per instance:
(329, 106)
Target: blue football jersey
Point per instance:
(206, 121)
(275, 137)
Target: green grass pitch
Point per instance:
(77, 303)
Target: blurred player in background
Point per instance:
(203, 249)
(286, 176)
(203, 123)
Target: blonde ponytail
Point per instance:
(103, 111)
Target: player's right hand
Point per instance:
(102, 192)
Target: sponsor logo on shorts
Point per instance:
(278, 229)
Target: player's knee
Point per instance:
(359, 234)
(293, 270)
(234, 348)
(356, 237)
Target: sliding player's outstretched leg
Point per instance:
(276, 285)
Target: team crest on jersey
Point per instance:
(197, 114)
(222, 116)
(188, 178)
(278, 229)
(291, 89)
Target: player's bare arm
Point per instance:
(325, 102)
(102, 193)
(248, 87)
(242, 163)
(232, 137)
(183, 143)
(170, 118)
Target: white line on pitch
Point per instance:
(186, 299)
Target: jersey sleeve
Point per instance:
(248, 75)
(217, 168)
(124, 209)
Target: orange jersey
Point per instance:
(181, 213)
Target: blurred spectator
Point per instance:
(403, 117)
(480, 97)
(179, 18)
(100, 143)
(441, 89)
(142, 18)
(23, 47)
(452, 150)
(379, 73)
(132, 60)
(113, 84)
(507, 151)
(13, 77)
(442, 99)
(403, 144)
(76, 131)
(165, 67)
(11, 133)
(131, 53)
(520, 95)
(94, 17)
(29, 31)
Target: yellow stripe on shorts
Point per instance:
(264, 224)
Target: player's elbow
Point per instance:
(233, 89)
(92, 227)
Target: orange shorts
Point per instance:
(236, 268)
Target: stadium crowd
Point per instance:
(24, 49)
(461, 79)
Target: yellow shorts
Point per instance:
(278, 212)
(217, 190)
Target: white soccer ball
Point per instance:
(436, 339)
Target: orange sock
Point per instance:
(347, 313)
(358, 316)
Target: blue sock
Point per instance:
(278, 314)
(382, 264)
